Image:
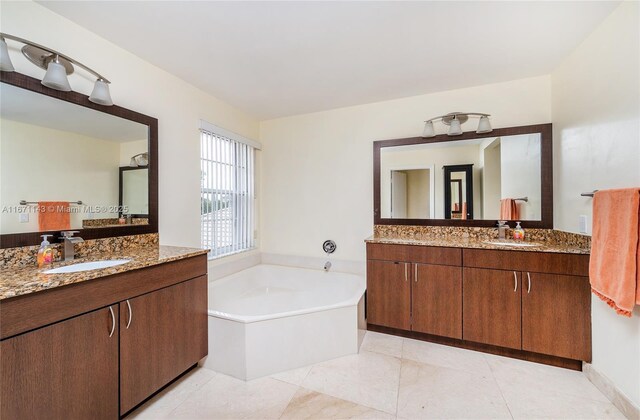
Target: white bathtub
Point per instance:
(269, 319)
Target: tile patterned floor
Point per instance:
(391, 378)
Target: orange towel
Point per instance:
(509, 209)
(463, 212)
(54, 215)
(615, 252)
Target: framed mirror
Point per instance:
(467, 180)
(60, 165)
(134, 191)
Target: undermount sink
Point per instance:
(506, 243)
(86, 266)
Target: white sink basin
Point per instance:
(514, 244)
(86, 266)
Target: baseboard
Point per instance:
(609, 389)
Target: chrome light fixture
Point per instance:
(56, 76)
(141, 159)
(5, 60)
(58, 67)
(455, 120)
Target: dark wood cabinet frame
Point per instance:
(546, 176)
(468, 173)
(33, 238)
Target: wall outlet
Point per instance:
(23, 217)
(582, 223)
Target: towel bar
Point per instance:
(26, 203)
(589, 194)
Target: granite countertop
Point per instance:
(478, 243)
(24, 280)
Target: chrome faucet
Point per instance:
(327, 266)
(502, 229)
(69, 241)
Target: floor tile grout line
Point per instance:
(284, 410)
(495, 380)
(400, 376)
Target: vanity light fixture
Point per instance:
(58, 67)
(141, 159)
(455, 120)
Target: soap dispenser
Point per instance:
(45, 252)
(518, 232)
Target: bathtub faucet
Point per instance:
(327, 266)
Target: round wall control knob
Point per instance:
(329, 246)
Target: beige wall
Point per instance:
(325, 161)
(418, 192)
(140, 86)
(596, 105)
(34, 167)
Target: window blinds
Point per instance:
(227, 194)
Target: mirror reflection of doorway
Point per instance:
(398, 195)
(458, 191)
(412, 193)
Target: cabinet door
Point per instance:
(162, 334)
(68, 370)
(437, 300)
(556, 315)
(389, 294)
(492, 307)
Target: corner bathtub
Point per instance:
(268, 319)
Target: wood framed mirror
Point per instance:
(512, 163)
(60, 148)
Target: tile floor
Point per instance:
(392, 377)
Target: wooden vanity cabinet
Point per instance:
(437, 300)
(532, 305)
(552, 302)
(556, 315)
(68, 370)
(162, 334)
(389, 294)
(407, 290)
(61, 358)
(492, 307)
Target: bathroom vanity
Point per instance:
(95, 344)
(532, 304)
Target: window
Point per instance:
(227, 191)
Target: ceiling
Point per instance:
(45, 111)
(274, 59)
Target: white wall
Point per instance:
(131, 148)
(145, 88)
(596, 106)
(491, 178)
(324, 161)
(33, 163)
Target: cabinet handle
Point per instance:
(515, 282)
(416, 272)
(113, 321)
(406, 275)
(130, 314)
(528, 282)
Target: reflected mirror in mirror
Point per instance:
(134, 190)
(60, 165)
(493, 178)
